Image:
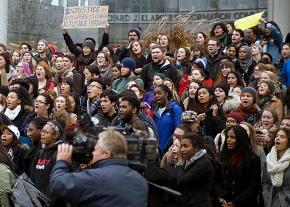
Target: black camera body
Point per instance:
(140, 149)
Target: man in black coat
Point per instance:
(214, 58)
(108, 182)
(158, 65)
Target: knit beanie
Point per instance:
(90, 45)
(271, 86)
(236, 116)
(137, 31)
(200, 63)
(225, 87)
(90, 39)
(29, 52)
(129, 63)
(251, 91)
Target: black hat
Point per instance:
(90, 39)
(137, 31)
(34, 82)
(4, 90)
(90, 45)
(225, 87)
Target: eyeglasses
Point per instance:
(95, 86)
(19, 66)
(40, 102)
(231, 121)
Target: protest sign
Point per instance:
(249, 21)
(85, 17)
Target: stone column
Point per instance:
(278, 11)
(3, 21)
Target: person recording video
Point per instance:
(107, 182)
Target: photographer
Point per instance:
(108, 182)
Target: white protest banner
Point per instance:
(85, 17)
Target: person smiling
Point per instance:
(276, 179)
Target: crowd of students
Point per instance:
(218, 108)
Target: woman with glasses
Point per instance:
(22, 70)
(43, 105)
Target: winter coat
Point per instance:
(166, 68)
(7, 181)
(120, 84)
(218, 121)
(17, 155)
(21, 120)
(194, 180)
(274, 45)
(149, 97)
(29, 157)
(73, 48)
(276, 196)
(94, 107)
(231, 103)
(285, 73)
(241, 186)
(213, 65)
(275, 104)
(167, 122)
(42, 165)
(110, 182)
(246, 75)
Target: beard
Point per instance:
(127, 117)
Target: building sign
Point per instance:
(85, 16)
(145, 18)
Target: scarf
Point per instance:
(245, 64)
(12, 114)
(247, 111)
(265, 100)
(277, 167)
(195, 157)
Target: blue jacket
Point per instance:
(109, 183)
(274, 45)
(285, 73)
(167, 122)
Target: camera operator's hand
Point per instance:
(64, 152)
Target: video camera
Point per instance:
(140, 148)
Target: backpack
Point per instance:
(25, 194)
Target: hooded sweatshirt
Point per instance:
(42, 166)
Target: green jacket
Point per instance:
(7, 180)
(120, 84)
